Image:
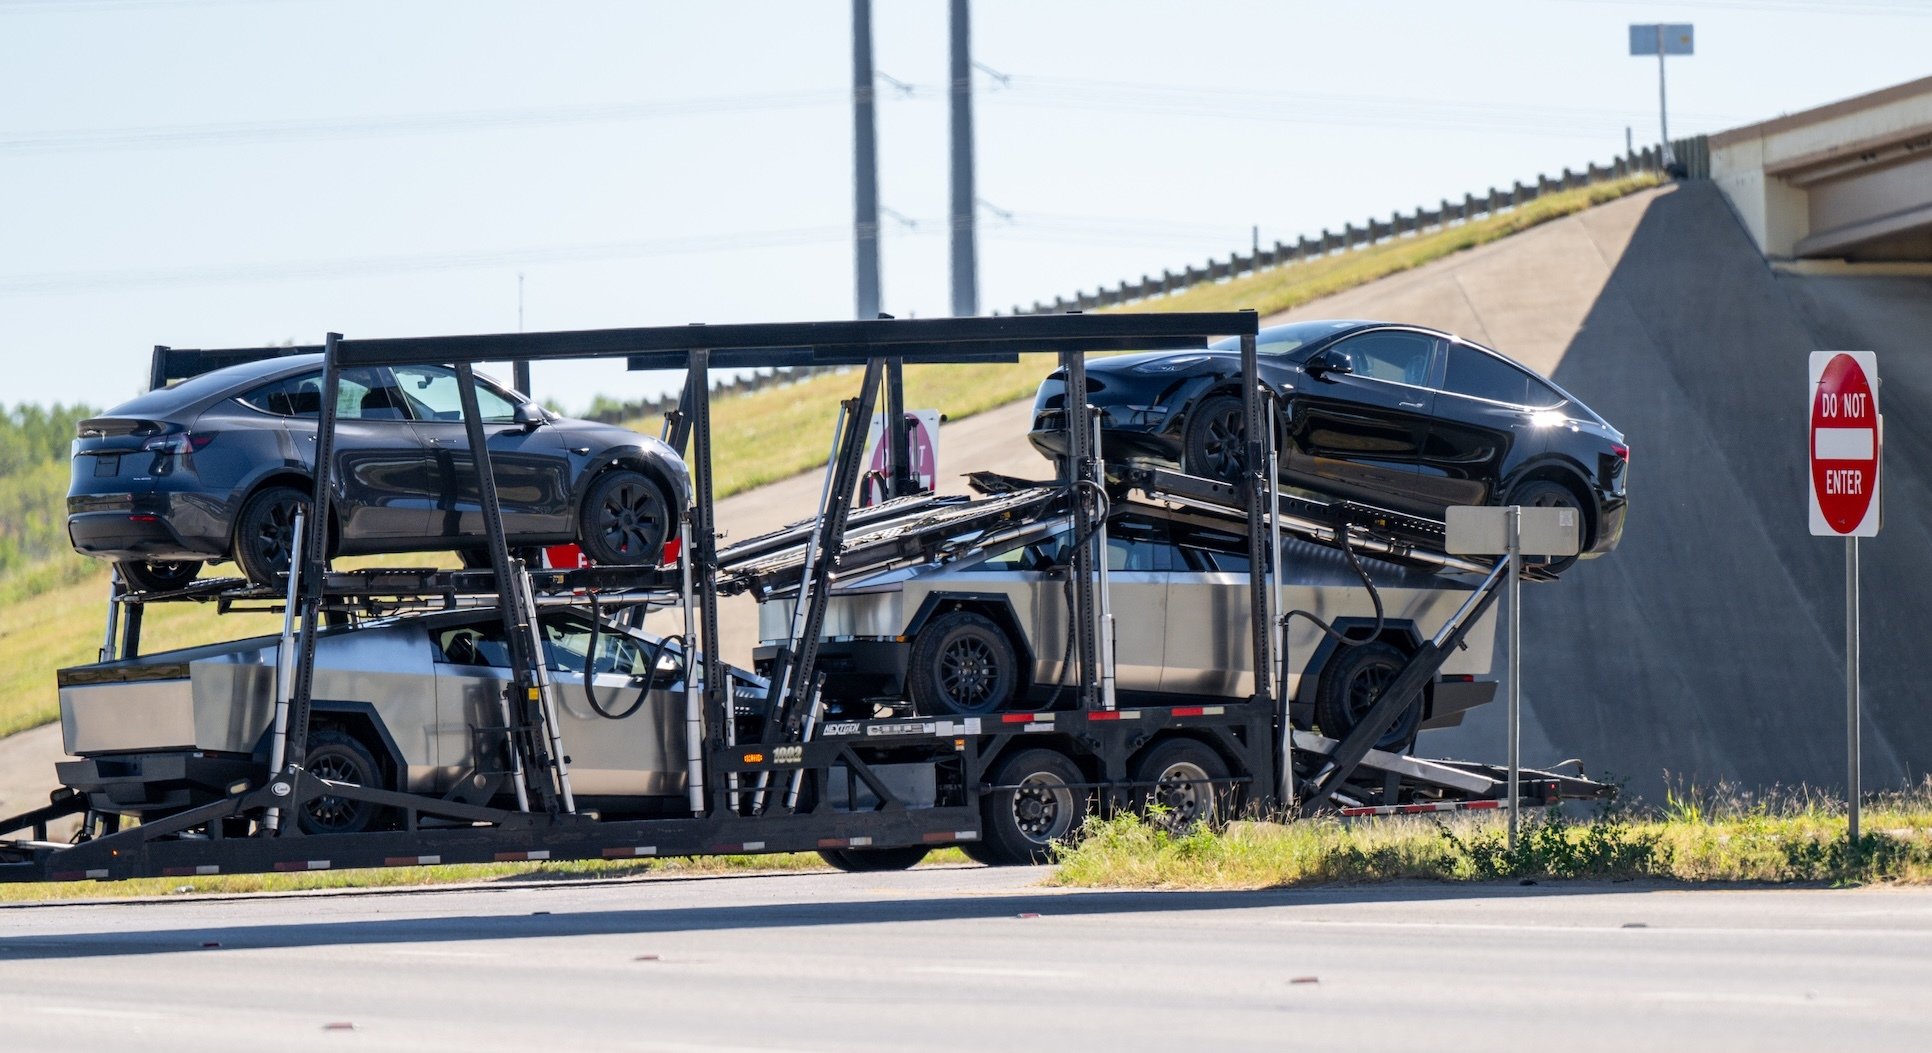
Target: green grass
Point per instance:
(426, 877)
(761, 437)
(1724, 837)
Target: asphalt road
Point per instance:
(972, 958)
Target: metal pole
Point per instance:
(965, 249)
(1853, 782)
(285, 667)
(1105, 590)
(693, 688)
(1663, 111)
(115, 589)
(865, 163)
(1515, 661)
(521, 367)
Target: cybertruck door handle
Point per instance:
(1412, 405)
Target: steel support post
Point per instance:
(695, 413)
(519, 623)
(285, 666)
(315, 559)
(116, 588)
(1255, 460)
(900, 478)
(1104, 590)
(677, 423)
(1079, 468)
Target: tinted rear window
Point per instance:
(1484, 376)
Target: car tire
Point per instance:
(979, 852)
(962, 664)
(265, 532)
(1042, 803)
(1547, 493)
(626, 520)
(158, 575)
(869, 860)
(340, 757)
(1179, 788)
(1351, 682)
(1214, 445)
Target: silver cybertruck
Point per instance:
(981, 630)
(408, 703)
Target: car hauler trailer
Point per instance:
(869, 793)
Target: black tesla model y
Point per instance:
(1397, 416)
(215, 467)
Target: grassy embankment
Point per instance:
(1721, 837)
(762, 436)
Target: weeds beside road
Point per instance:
(1698, 837)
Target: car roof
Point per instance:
(214, 385)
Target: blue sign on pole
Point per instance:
(1660, 39)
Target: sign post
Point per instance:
(1513, 532)
(1846, 441)
(1661, 39)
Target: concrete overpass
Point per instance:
(1851, 180)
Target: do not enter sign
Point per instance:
(1845, 437)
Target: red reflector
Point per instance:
(1016, 718)
(1622, 451)
(671, 550)
(143, 518)
(201, 439)
(1104, 716)
(1188, 711)
(1459, 678)
(564, 557)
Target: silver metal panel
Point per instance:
(1440, 774)
(112, 718)
(1483, 530)
(869, 614)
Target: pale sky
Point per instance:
(217, 173)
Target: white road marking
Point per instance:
(992, 970)
(1754, 999)
(97, 1011)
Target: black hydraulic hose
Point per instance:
(590, 666)
(1354, 562)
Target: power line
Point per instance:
(1892, 8)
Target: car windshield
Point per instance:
(1287, 339)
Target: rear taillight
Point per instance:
(1622, 451)
(179, 443)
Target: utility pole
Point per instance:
(865, 163)
(965, 249)
(1661, 39)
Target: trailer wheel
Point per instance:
(159, 575)
(1352, 681)
(1181, 793)
(863, 860)
(339, 757)
(962, 663)
(265, 532)
(625, 520)
(1041, 803)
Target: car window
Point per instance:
(1479, 374)
(1543, 396)
(433, 394)
(1391, 355)
(1213, 551)
(566, 639)
(1036, 555)
(361, 394)
(1140, 545)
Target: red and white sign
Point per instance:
(1846, 435)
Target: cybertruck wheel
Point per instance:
(1351, 682)
(339, 757)
(158, 575)
(1544, 493)
(962, 664)
(265, 533)
(1214, 446)
(625, 520)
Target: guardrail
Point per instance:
(1692, 157)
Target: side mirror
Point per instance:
(1329, 361)
(529, 414)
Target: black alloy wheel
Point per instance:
(1215, 443)
(265, 533)
(1041, 802)
(1352, 682)
(626, 520)
(962, 664)
(159, 575)
(867, 860)
(1547, 493)
(339, 757)
(1183, 785)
